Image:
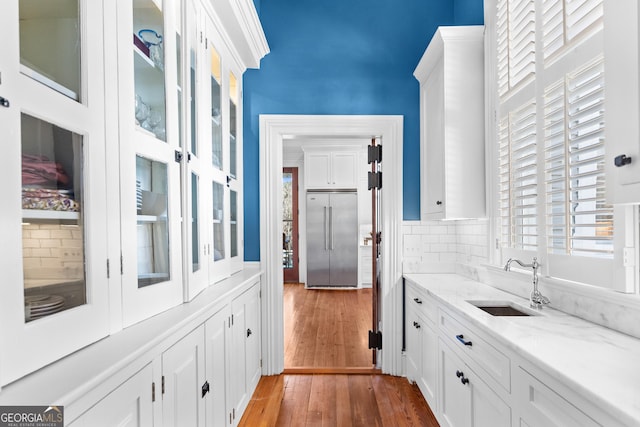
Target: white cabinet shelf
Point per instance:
(452, 151)
(44, 215)
(330, 168)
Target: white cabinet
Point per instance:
(452, 151)
(54, 212)
(183, 378)
(622, 101)
(466, 400)
(218, 338)
(129, 405)
(245, 367)
(330, 169)
(422, 343)
(365, 265)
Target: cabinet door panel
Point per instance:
(434, 139)
(317, 170)
(429, 379)
(183, 373)
(344, 170)
(488, 410)
(413, 346)
(129, 405)
(217, 349)
(455, 402)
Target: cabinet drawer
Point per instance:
(543, 407)
(482, 354)
(425, 305)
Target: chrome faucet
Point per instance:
(536, 299)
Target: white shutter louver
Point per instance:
(578, 220)
(523, 178)
(566, 20)
(504, 180)
(522, 41)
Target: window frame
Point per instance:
(614, 273)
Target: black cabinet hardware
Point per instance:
(4, 102)
(418, 300)
(462, 340)
(622, 160)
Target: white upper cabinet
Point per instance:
(330, 168)
(52, 124)
(150, 190)
(452, 150)
(622, 102)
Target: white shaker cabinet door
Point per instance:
(129, 405)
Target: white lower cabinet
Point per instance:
(203, 377)
(466, 400)
(129, 405)
(183, 376)
(245, 366)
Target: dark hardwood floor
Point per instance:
(337, 400)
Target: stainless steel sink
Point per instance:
(502, 308)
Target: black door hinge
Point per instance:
(375, 180)
(375, 340)
(178, 156)
(374, 153)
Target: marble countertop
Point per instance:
(600, 364)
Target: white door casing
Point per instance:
(273, 130)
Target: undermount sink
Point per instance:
(502, 308)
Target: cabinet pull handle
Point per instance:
(416, 325)
(461, 339)
(418, 300)
(205, 388)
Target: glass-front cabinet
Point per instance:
(149, 92)
(54, 288)
(121, 126)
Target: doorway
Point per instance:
(274, 130)
(290, 233)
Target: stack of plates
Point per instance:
(138, 197)
(37, 306)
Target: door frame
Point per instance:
(296, 229)
(274, 129)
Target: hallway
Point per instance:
(326, 328)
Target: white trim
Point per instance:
(275, 128)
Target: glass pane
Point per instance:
(233, 206)
(179, 89)
(148, 59)
(233, 102)
(50, 44)
(153, 229)
(53, 245)
(216, 108)
(287, 217)
(195, 239)
(218, 221)
(193, 66)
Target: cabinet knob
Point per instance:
(459, 374)
(622, 160)
(4, 102)
(439, 202)
(249, 333)
(418, 300)
(464, 380)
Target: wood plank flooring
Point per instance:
(337, 400)
(326, 328)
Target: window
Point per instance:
(550, 138)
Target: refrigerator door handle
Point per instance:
(331, 225)
(326, 247)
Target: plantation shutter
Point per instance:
(564, 21)
(579, 222)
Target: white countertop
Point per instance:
(598, 363)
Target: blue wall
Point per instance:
(342, 57)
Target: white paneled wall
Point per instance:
(437, 246)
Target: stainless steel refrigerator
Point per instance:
(332, 239)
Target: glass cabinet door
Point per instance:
(54, 294)
(149, 156)
(194, 185)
